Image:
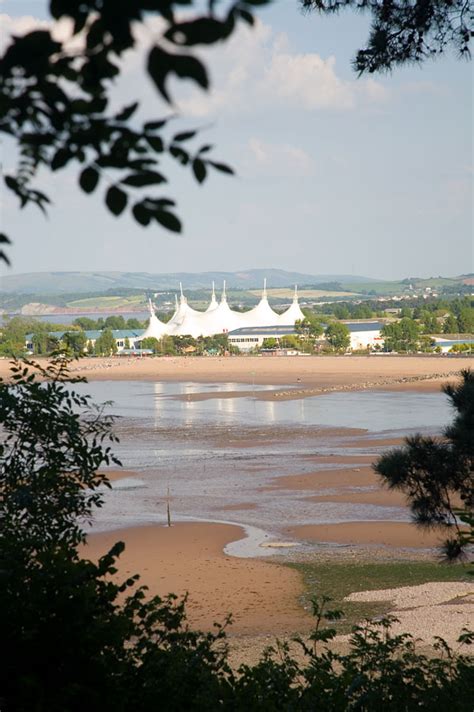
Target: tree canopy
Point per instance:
(437, 475)
(404, 31)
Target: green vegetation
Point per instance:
(338, 335)
(436, 475)
(339, 579)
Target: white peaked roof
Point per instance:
(155, 328)
(213, 304)
(293, 313)
(262, 314)
(219, 317)
(222, 319)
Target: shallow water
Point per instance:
(227, 451)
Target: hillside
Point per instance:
(94, 282)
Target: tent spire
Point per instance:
(295, 296)
(264, 293)
(224, 296)
(213, 292)
(150, 307)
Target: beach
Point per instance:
(307, 486)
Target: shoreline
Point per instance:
(292, 377)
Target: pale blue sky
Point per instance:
(336, 174)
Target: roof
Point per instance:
(354, 326)
(263, 331)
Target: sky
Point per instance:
(334, 174)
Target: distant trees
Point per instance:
(402, 335)
(338, 335)
(76, 341)
(105, 345)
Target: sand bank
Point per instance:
(261, 596)
(391, 534)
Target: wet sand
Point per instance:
(263, 597)
(391, 534)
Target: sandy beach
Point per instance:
(305, 375)
(189, 557)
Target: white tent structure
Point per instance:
(155, 328)
(261, 315)
(219, 318)
(293, 313)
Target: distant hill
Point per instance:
(87, 282)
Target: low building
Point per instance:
(365, 334)
(248, 338)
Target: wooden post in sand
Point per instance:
(168, 514)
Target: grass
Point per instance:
(302, 293)
(108, 301)
(338, 580)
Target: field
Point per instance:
(302, 294)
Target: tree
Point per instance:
(105, 344)
(405, 32)
(450, 325)
(76, 341)
(150, 342)
(115, 322)
(437, 474)
(401, 336)
(338, 335)
(270, 343)
(56, 103)
(79, 641)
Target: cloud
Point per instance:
(257, 69)
(277, 160)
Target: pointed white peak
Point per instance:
(224, 295)
(151, 308)
(182, 298)
(264, 293)
(213, 303)
(295, 296)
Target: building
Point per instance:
(248, 338)
(124, 338)
(365, 334)
(219, 318)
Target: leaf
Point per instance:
(4, 239)
(222, 167)
(127, 112)
(138, 180)
(88, 179)
(141, 214)
(155, 125)
(161, 63)
(60, 158)
(199, 170)
(116, 200)
(11, 182)
(202, 30)
(156, 143)
(168, 220)
(184, 136)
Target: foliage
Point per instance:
(402, 335)
(338, 335)
(80, 641)
(55, 97)
(405, 32)
(437, 475)
(105, 345)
